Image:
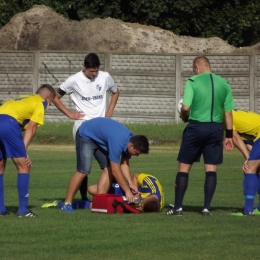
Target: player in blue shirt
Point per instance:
(113, 145)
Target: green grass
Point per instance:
(61, 133)
(85, 235)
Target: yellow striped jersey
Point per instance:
(148, 185)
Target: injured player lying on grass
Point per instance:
(150, 192)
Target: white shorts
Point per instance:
(76, 126)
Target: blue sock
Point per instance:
(81, 204)
(258, 179)
(2, 202)
(250, 184)
(60, 204)
(23, 191)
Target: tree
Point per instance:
(235, 21)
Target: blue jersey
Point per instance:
(109, 134)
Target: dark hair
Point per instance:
(46, 86)
(151, 205)
(92, 61)
(140, 143)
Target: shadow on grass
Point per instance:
(198, 209)
(14, 209)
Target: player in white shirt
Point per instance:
(88, 91)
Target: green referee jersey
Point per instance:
(208, 95)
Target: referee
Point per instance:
(206, 96)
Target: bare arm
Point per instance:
(185, 113)
(228, 142)
(29, 133)
(121, 181)
(134, 179)
(72, 115)
(240, 144)
(112, 104)
(125, 168)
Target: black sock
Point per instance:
(181, 184)
(84, 188)
(209, 188)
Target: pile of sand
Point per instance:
(40, 28)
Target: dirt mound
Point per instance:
(40, 28)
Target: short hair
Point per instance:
(140, 143)
(201, 60)
(92, 61)
(43, 87)
(151, 205)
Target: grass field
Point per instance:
(85, 235)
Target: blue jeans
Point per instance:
(85, 149)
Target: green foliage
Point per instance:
(235, 21)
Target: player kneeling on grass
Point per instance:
(15, 116)
(149, 188)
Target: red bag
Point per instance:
(111, 204)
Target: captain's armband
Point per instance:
(61, 92)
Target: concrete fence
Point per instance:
(150, 84)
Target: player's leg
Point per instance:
(74, 185)
(104, 181)
(181, 185)
(210, 185)
(92, 189)
(11, 144)
(250, 182)
(85, 149)
(257, 210)
(188, 154)
(15, 149)
(213, 156)
(106, 176)
(84, 185)
(23, 180)
(250, 185)
(84, 188)
(3, 210)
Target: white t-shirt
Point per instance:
(89, 95)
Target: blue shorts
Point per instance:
(85, 149)
(255, 152)
(116, 189)
(11, 139)
(202, 139)
(250, 142)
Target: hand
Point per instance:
(108, 114)
(228, 144)
(28, 161)
(77, 115)
(245, 167)
(133, 188)
(129, 196)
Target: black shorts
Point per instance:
(202, 138)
